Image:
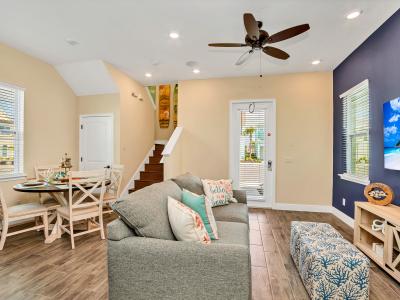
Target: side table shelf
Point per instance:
(365, 237)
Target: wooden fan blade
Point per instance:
(251, 26)
(275, 52)
(244, 57)
(288, 33)
(227, 45)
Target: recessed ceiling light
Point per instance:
(174, 35)
(196, 71)
(316, 62)
(148, 75)
(72, 42)
(354, 14)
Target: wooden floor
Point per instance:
(30, 269)
(274, 275)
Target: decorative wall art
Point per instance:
(164, 102)
(391, 134)
(152, 91)
(175, 105)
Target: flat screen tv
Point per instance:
(391, 133)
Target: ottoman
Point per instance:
(329, 266)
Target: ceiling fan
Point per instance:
(259, 39)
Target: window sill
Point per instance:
(12, 177)
(355, 179)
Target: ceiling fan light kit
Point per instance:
(259, 39)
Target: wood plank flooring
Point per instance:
(274, 274)
(30, 269)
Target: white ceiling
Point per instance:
(133, 35)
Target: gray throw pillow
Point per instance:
(190, 182)
(146, 211)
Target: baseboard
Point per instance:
(136, 175)
(257, 204)
(302, 207)
(316, 208)
(342, 216)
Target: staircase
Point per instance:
(153, 171)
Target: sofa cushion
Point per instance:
(202, 206)
(190, 182)
(232, 233)
(146, 211)
(233, 212)
(219, 192)
(186, 224)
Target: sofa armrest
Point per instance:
(240, 196)
(146, 268)
(118, 230)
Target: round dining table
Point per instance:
(59, 192)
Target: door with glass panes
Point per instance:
(252, 149)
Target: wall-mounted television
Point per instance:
(391, 133)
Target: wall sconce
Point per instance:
(137, 96)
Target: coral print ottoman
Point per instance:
(330, 266)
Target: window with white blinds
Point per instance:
(11, 131)
(355, 104)
(252, 153)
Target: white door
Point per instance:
(96, 142)
(252, 153)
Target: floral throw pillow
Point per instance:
(218, 192)
(186, 224)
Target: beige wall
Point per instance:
(304, 130)
(50, 113)
(136, 123)
(99, 104)
(165, 133)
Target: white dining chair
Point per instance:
(21, 212)
(113, 190)
(41, 173)
(83, 203)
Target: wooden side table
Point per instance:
(364, 236)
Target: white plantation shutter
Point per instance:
(252, 153)
(355, 151)
(11, 131)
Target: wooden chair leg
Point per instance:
(58, 224)
(71, 230)
(4, 232)
(101, 225)
(46, 225)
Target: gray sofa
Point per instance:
(150, 268)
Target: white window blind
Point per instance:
(252, 153)
(11, 131)
(355, 103)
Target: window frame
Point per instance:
(18, 172)
(348, 134)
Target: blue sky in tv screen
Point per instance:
(391, 130)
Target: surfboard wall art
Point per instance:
(152, 91)
(164, 102)
(175, 106)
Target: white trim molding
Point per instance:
(136, 175)
(355, 179)
(342, 216)
(308, 208)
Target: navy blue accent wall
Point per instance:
(377, 59)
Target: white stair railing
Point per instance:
(170, 146)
